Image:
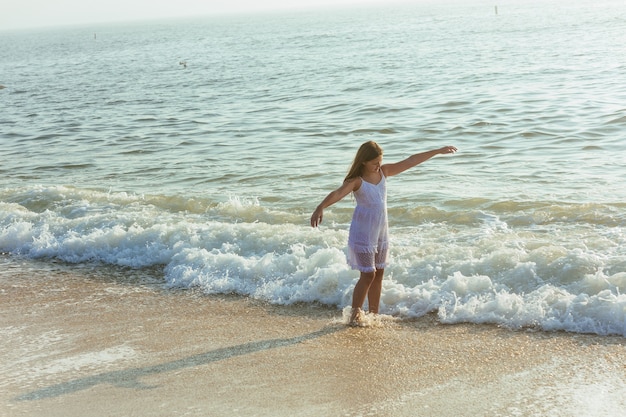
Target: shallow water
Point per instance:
(115, 153)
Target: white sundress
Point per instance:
(368, 241)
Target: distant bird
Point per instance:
(1, 87)
(183, 63)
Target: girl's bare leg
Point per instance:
(373, 294)
(361, 290)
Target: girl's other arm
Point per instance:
(346, 188)
(394, 169)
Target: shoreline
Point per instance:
(76, 344)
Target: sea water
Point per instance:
(201, 147)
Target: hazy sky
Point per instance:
(37, 13)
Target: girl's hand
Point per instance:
(317, 216)
(447, 149)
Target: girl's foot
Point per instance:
(357, 319)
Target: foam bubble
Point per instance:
(367, 319)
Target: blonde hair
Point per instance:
(368, 151)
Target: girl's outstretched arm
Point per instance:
(394, 169)
(346, 188)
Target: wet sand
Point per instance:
(78, 341)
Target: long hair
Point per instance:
(368, 151)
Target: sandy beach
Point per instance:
(80, 341)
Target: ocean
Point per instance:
(197, 150)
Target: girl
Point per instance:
(368, 240)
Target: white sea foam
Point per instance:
(487, 274)
(99, 359)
